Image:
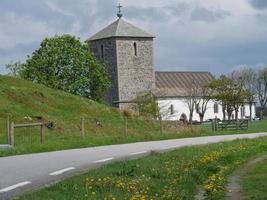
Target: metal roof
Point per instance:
(175, 84)
(120, 28)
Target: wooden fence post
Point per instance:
(237, 124)
(82, 128)
(7, 129)
(42, 133)
(160, 124)
(11, 134)
(216, 123)
(125, 126)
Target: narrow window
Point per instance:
(197, 108)
(243, 112)
(172, 109)
(216, 109)
(135, 49)
(102, 51)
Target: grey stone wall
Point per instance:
(135, 72)
(130, 74)
(110, 61)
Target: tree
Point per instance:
(220, 88)
(261, 87)
(204, 94)
(63, 62)
(190, 100)
(14, 68)
(246, 78)
(231, 94)
(147, 105)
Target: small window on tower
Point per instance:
(102, 51)
(135, 49)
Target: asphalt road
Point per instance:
(20, 174)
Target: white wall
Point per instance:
(179, 107)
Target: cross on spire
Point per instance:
(119, 14)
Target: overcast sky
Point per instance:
(210, 35)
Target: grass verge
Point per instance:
(173, 175)
(254, 183)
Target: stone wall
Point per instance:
(130, 74)
(110, 61)
(135, 72)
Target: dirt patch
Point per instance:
(233, 186)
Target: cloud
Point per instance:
(212, 35)
(206, 15)
(258, 4)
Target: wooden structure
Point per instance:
(11, 128)
(224, 125)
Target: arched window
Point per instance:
(102, 51)
(135, 49)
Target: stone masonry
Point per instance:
(127, 53)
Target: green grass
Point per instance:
(174, 175)
(254, 183)
(20, 99)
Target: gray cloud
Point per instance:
(38, 10)
(157, 14)
(203, 14)
(259, 4)
(220, 42)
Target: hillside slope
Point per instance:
(24, 101)
(22, 98)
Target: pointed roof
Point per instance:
(120, 28)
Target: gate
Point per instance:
(230, 125)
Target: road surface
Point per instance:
(23, 173)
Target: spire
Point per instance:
(119, 14)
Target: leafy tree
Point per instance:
(14, 68)
(63, 62)
(230, 93)
(147, 105)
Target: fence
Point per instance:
(12, 126)
(29, 132)
(230, 124)
(125, 127)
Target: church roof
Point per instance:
(177, 84)
(120, 28)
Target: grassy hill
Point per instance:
(24, 101)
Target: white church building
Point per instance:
(172, 94)
(128, 54)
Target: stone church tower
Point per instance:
(127, 53)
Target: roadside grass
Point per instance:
(28, 140)
(179, 174)
(103, 125)
(254, 183)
